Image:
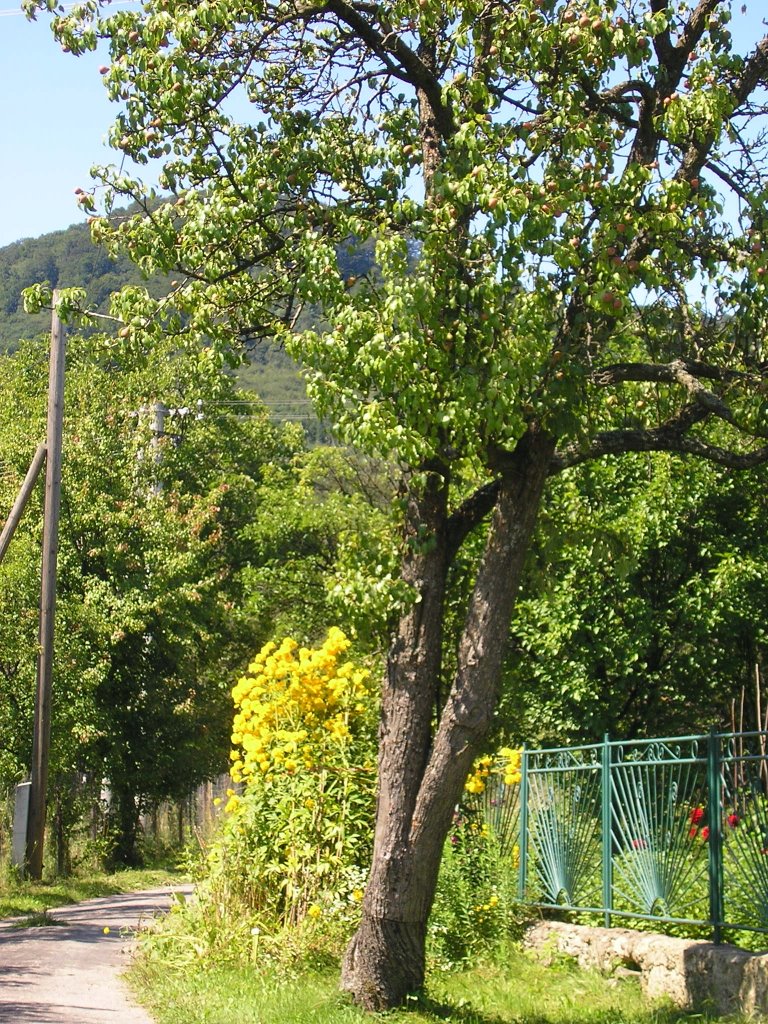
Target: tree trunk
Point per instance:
(125, 819)
(421, 778)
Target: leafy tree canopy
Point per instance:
(149, 611)
(642, 612)
(585, 200)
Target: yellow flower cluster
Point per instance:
(507, 763)
(480, 772)
(293, 702)
(483, 908)
(485, 913)
(512, 761)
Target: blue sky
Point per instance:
(54, 115)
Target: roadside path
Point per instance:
(69, 972)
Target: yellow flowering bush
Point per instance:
(296, 840)
(296, 708)
(506, 764)
(476, 903)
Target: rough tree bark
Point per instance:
(421, 776)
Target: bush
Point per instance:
(289, 862)
(283, 878)
(477, 907)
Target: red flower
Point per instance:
(639, 844)
(705, 833)
(697, 815)
(692, 832)
(733, 820)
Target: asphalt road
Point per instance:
(69, 972)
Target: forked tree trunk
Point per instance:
(421, 777)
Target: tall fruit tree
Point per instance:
(567, 202)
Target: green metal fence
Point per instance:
(672, 829)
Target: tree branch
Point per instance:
(666, 438)
(469, 515)
(680, 371)
(672, 61)
(755, 71)
(697, 24)
(416, 72)
(618, 373)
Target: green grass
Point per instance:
(517, 991)
(31, 898)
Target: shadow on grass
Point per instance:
(27, 898)
(465, 1013)
(36, 900)
(458, 1012)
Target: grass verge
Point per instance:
(17, 898)
(516, 991)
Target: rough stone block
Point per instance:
(692, 974)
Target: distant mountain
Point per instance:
(69, 259)
(65, 259)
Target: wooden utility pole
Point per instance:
(42, 726)
(14, 516)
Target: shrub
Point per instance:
(293, 850)
(476, 906)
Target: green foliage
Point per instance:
(323, 547)
(177, 555)
(150, 553)
(272, 375)
(70, 260)
(288, 864)
(563, 259)
(642, 608)
(62, 259)
(558, 276)
(501, 280)
(476, 908)
(507, 990)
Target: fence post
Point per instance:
(714, 821)
(523, 834)
(606, 829)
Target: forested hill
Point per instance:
(68, 259)
(65, 259)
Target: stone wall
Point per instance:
(693, 974)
